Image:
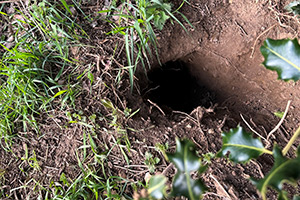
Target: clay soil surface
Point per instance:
(210, 77)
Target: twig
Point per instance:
(131, 170)
(98, 60)
(115, 93)
(295, 17)
(199, 114)
(196, 143)
(258, 168)
(11, 1)
(221, 125)
(187, 116)
(253, 47)
(220, 186)
(155, 105)
(215, 194)
(253, 129)
(241, 28)
(281, 121)
(167, 169)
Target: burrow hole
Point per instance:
(173, 87)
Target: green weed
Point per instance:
(31, 161)
(162, 148)
(151, 161)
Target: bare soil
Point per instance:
(210, 77)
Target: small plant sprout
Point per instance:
(151, 161)
(162, 148)
(31, 161)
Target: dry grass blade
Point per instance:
(10, 1)
(253, 129)
(281, 121)
(220, 188)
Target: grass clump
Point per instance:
(137, 22)
(90, 186)
(95, 180)
(34, 56)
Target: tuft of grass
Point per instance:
(117, 121)
(33, 62)
(88, 186)
(137, 22)
(95, 180)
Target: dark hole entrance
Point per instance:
(172, 86)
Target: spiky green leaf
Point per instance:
(294, 7)
(157, 186)
(186, 161)
(241, 145)
(282, 56)
(296, 197)
(282, 196)
(284, 170)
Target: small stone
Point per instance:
(210, 131)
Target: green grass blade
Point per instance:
(66, 6)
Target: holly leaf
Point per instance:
(294, 7)
(157, 186)
(282, 196)
(284, 170)
(282, 56)
(241, 145)
(296, 197)
(186, 161)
